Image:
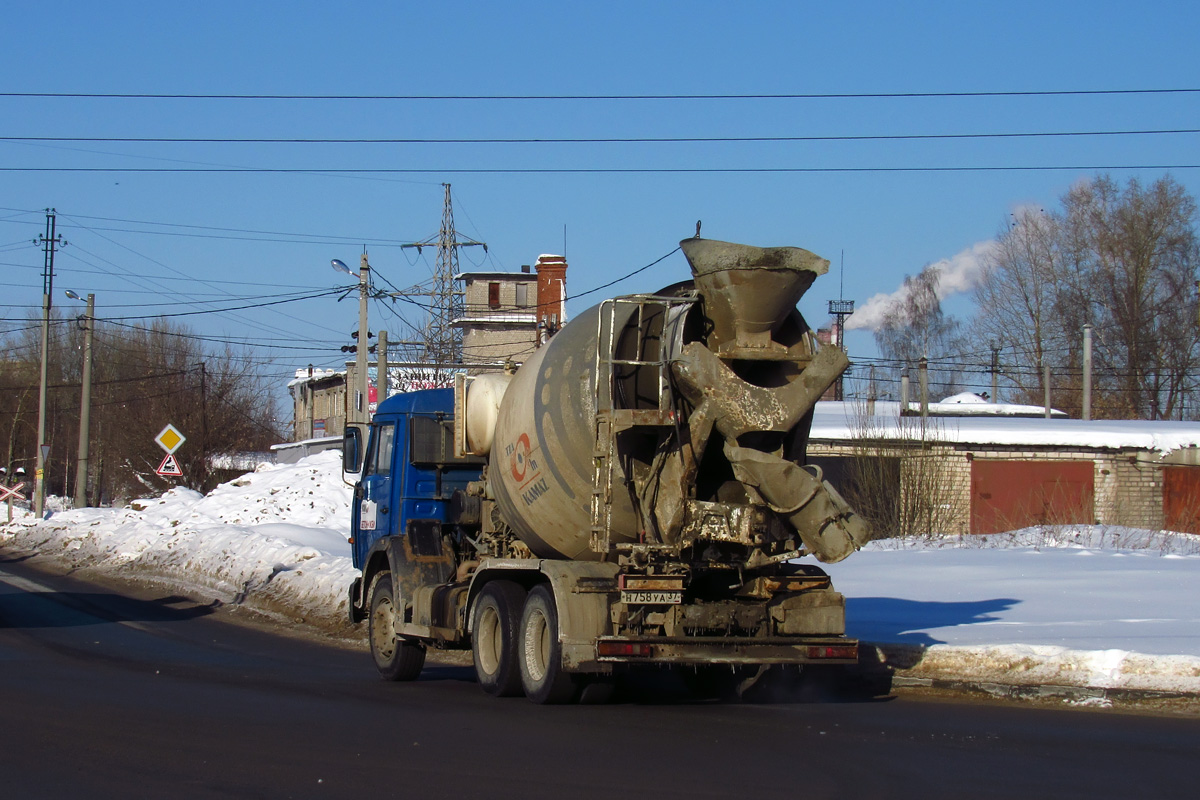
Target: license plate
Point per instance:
(650, 597)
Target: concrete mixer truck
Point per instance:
(634, 494)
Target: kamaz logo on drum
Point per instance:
(535, 491)
(524, 469)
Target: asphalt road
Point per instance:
(138, 695)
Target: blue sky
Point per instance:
(887, 223)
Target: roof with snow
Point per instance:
(969, 404)
(303, 376)
(844, 421)
(492, 276)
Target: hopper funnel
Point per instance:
(749, 291)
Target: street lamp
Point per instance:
(85, 399)
(361, 415)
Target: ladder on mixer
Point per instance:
(609, 419)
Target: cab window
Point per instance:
(379, 459)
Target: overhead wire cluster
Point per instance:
(777, 99)
(233, 303)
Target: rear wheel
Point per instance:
(495, 624)
(397, 659)
(542, 674)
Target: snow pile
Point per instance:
(1095, 537)
(275, 538)
(1044, 665)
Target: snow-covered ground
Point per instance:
(275, 538)
(1107, 608)
(1088, 606)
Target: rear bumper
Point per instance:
(727, 650)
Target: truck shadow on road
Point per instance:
(20, 609)
(900, 621)
(815, 684)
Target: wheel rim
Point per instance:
(383, 635)
(537, 646)
(490, 644)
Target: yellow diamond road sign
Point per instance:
(170, 439)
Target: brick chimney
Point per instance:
(551, 292)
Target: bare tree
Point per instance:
(1021, 302)
(144, 377)
(901, 481)
(1141, 253)
(1121, 259)
(917, 327)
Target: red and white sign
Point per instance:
(12, 494)
(169, 467)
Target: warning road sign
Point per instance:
(169, 467)
(169, 439)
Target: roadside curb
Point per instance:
(1081, 695)
(907, 667)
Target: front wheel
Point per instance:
(396, 659)
(542, 674)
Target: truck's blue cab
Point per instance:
(408, 475)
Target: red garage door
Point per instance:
(1006, 495)
(1181, 499)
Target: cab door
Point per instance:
(375, 503)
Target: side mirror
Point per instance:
(352, 450)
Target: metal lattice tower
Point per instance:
(443, 340)
(447, 304)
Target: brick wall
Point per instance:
(1128, 484)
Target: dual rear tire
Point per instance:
(516, 646)
(495, 623)
(542, 675)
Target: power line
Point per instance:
(591, 97)
(316, 347)
(251, 323)
(259, 235)
(595, 170)
(310, 296)
(623, 277)
(596, 139)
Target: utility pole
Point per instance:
(1046, 385)
(358, 412)
(923, 374)
(49, 241)
(85, 405)
(871, 392)
(1087, 371)
(204, 418)
(362, 414)
(995, 374)
(382, 386)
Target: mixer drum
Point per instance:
(731, 361)
(541, 465)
